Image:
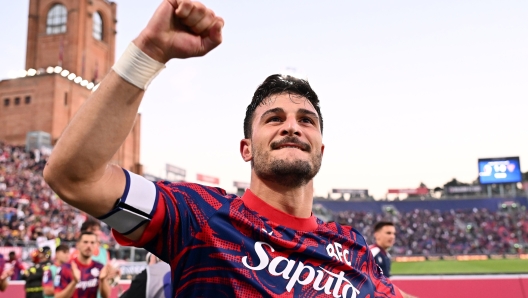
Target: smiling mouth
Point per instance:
(290, 146)
(290, 142)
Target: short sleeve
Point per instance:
(181, 210)
(47, 278)
(160, 227)
(63, 277)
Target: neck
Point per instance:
(294, 201)
(383, 247)
(84, 260)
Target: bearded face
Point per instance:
(286, 144)
(286, 169)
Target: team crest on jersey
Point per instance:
(94, 272)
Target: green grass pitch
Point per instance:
(460, 267)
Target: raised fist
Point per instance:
(180, 29)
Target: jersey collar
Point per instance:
(284, 219)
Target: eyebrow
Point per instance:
(280, 110)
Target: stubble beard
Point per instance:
(291, 174)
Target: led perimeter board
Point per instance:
(499, 170)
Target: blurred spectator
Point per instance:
(17, 266)
(5, 273)
(431, 232)
(29, 210)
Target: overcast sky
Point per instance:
(411, 91)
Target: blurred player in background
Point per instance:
(34, 274)
(384, 237)
(18, 268)
(62, 256)
(5, 273)
(100, 253)
(83, 277)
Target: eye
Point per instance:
(307, 120)
(274, 119)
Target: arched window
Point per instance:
(97, 26)
(57, 18)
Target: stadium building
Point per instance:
(70, 48)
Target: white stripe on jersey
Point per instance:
(375, 250)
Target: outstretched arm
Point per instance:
(78, 169)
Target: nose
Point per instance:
(290, 127)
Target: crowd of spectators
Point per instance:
(31, 212)
(426, 232)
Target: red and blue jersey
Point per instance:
(221, 245)
(382, 258)
(87, 286)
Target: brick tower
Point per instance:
(70, 47)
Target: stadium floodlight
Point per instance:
(31, 72)
(84, 83)
(90, 86)
(12, 74)
(57, 69)
(65, 72)
(71, 76)
(78, 79)
(21, 73)
(49, 69)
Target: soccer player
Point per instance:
(100, 253)
(82, 277)
(265, 243)
(62, 256)
(384, 237)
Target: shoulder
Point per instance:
(65, 266)
(375, 250)
(195, 193)
(199, 189)
(346, 231)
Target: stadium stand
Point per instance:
(31, 212)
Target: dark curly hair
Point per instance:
(276, 84)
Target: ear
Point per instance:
(322, 149)
(245, 150)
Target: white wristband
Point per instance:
(137, 68)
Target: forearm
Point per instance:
(68, 291)
(104, 288)
(3, 284)
(80, 158)
(48, 291)
(97, 130)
